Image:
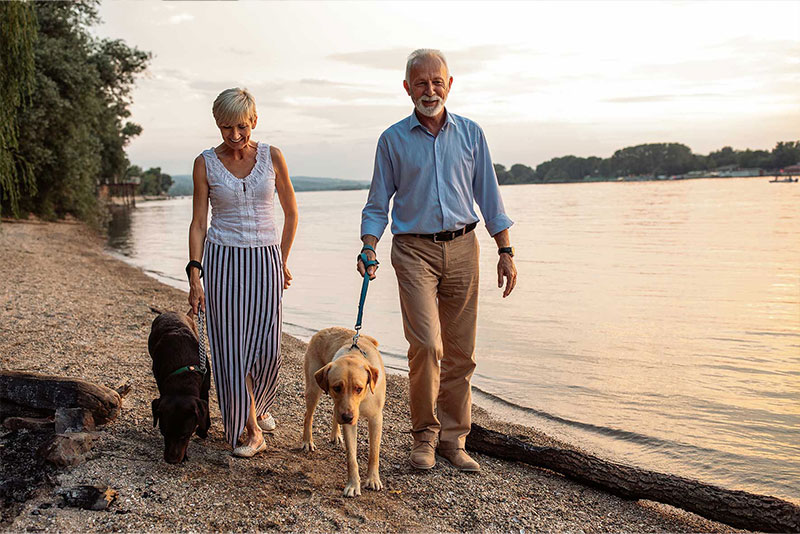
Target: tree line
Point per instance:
(655, 159)
(64, 105)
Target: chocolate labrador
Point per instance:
(182, 409)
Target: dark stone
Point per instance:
(97, 497)
(28, 423)
(66, 449)
(73, 420)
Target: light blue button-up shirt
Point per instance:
(435, 181)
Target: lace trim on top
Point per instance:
(260, 169)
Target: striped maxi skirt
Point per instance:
(243, 289)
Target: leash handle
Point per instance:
(201, 330)
(362, 257)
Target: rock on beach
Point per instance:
(69, 308)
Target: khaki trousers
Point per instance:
(438, 285)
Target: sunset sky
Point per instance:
(542, 79)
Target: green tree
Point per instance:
(154, 182)
(503, 177)
(785, 154)
(653, 159)
(17, 68)
(722, 157)
(73, 130)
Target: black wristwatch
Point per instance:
(506, 250)
(196, 265)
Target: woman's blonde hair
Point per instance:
(234, 106)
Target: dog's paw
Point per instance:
(337, 440)
(352, 489)
(308, 446)
(373, 483)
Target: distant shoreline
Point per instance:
(655, 179)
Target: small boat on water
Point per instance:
(787, 180)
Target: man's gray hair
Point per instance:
(422, 53)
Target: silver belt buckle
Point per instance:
(435, 240)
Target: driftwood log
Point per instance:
(47, 393)
(735, 508)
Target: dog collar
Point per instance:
(185, 369)
(355, 346)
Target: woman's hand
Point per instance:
(287, 277)
(197, 297)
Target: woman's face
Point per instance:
(237, 136)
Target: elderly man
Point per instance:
(437, 165)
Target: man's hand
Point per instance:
(371, 269)
(372, 241)
(506, 269)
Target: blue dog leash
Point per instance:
(362, 257)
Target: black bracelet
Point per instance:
(196, 264)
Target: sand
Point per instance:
(68, 308)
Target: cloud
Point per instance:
(376, 59)
(733, 59)
(462, 61)
(180, 18)
(657, 98)
(299, 93)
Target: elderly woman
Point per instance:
(243, 266)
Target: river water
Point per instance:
(655, 323)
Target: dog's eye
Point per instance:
(337, 389)
(358, 389)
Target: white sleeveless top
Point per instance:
(242, 209)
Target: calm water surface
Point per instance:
(656, 323)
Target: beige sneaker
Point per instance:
(423, 455)
(247, 451)
(459, 459)
(268, 423)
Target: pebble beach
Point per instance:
(69, 308)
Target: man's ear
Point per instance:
(372, 377)
(407, 87)
(155, 411)
(321, 377)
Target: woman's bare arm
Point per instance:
(197, 231)
(283, 184)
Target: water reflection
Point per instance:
(119, 229)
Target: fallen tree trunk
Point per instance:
(735, 508)
(47, 393)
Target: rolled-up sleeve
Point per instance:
(375, 215)
(487, 190)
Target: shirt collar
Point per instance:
(413, 121)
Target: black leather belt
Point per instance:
(447, 236)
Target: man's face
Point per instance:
(428, 85)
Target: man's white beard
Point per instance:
(429, 112)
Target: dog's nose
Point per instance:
(347, 417)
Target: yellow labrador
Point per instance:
(356, 382)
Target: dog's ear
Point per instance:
(201, 409)
(155, 411)
(321, 377)
(372, 377)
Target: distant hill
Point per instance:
(182, 184)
